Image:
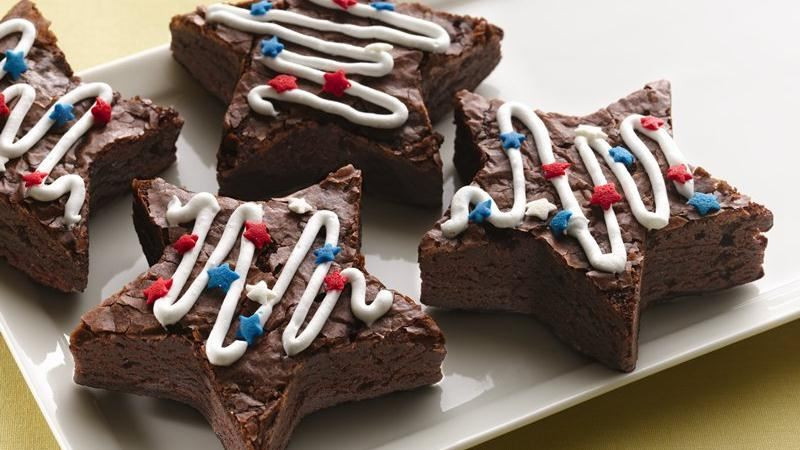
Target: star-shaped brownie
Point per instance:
(623, 235)
(257, 357)
(51, 179)
(318, 117)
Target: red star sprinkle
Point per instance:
(652, 123)
(101, 112)
(158, 289)
(4, 111)
(257, 233)
(185, 243)
(336, 83)
(679, 174)
(283, 83)
(555, 169)
(334, 281)
(345, 4)
(33, 178)
(605, 196)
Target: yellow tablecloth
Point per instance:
(744, 396)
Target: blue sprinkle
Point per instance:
(260, 8)
(271, 47)
(560, 222)
(327, 253)
(704, 203)
(481, 212)
(250, 329)
(15, 64)
(221, 277)
(622, 155)
(382, 6)
(62, 113)
(512, 140)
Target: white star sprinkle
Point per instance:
(261, 293)
(299, 205)
(590, 132)
(540, 208)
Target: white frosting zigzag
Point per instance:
(374, 59)
(202, 209)
(293, 342)
(588, 140)
(472, 194)
(26, 96)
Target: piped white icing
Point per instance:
(202, 209)
(459, 208)
(28, 31)
(628, 128)
(11, 148)
(373, 60)
(25, 94)
(588, 140)
(295, 341)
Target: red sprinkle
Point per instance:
(33, 178)
(605, 195)
(4, 111)
(101, 112)
(652, 123)
(336, 83)
(283, 83)
(679, 174)
(185, 243)
(158, 289)
(257, 233)
(555, 169)
(334, 281)
(345, 4)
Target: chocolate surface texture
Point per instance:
(138, 142)
(256, 402)
(528, 270)
(302, 145)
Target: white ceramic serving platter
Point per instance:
(734, 69)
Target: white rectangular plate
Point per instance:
(501, 371)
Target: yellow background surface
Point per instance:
(744, 396)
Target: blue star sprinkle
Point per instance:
(15, 64)
(260, 8)
(622, 155)
(327, 253)
(481, 212)
(250, 329)
(512, 140)
(62, 113)
(382, 6)
(221, 277)
(560, 222)
(271, 47)
(704, 203)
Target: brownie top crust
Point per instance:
(254, 388)
(415, 140)
(487, 165)
(307, 142)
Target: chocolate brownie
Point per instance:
(709, 237)
(256, 400)
(301, 144)
(130, 138)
